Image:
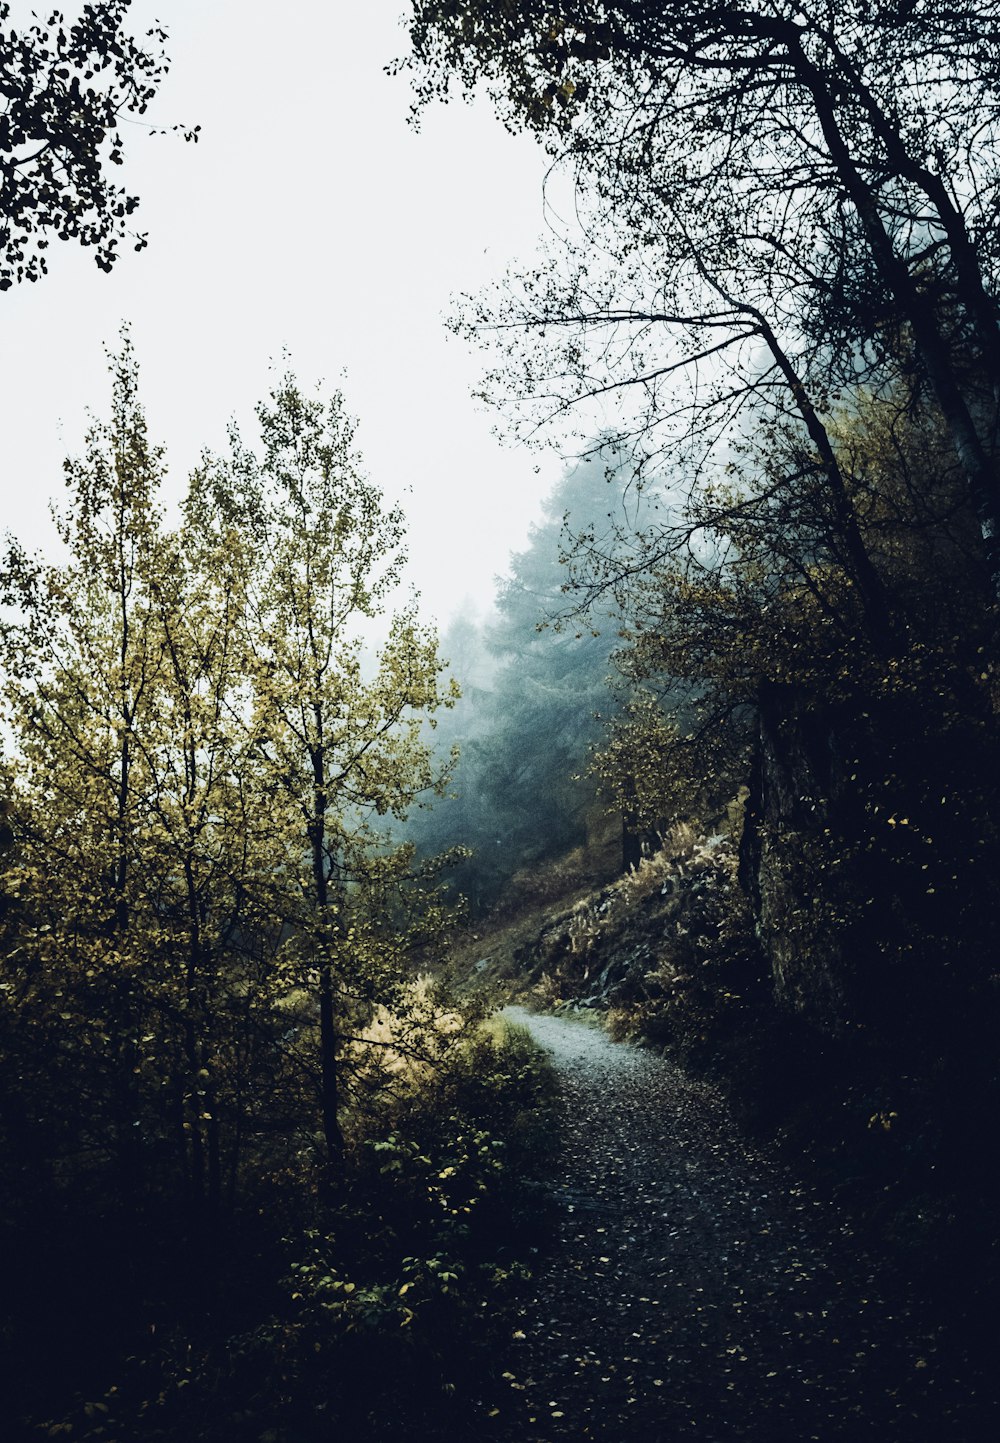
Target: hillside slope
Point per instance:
(667, 957)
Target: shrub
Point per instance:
(386, 1322)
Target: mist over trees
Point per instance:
(537, 680)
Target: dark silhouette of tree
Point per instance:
(65, 88)
(785, 196)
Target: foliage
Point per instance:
(134, 844)
(330, 747)
(440, 1207)
(775, 201)
(392, 1305)
(539, 679)
(67, 87)
(197, 730)
(705, 992)
(782, 273)
(666, 953)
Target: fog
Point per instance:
(309, 220)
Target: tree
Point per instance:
(556, 657)
(787, 222)
(66, 87)
(81, 668)
(868, 831)
(336, 733)
(137, 860)
(798, 194)
(539, 677)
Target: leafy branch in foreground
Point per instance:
(66, 88)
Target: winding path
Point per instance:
(694, 1291)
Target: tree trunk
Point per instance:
(329, 1072)
(973, 457)
(329, 1078)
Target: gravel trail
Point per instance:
(696, 1291)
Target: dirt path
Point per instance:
(696, 1292)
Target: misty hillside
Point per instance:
(539, 684)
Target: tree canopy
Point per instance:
(67, 86)
(202, 754)
(778, 200)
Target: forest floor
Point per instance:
(694, 1290)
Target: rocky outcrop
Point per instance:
(666, 954)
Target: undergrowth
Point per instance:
(380, 1312)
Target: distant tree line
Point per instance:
(538, 680)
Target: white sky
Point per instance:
(310, 218)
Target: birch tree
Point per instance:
(135, 832)
(336, 722)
